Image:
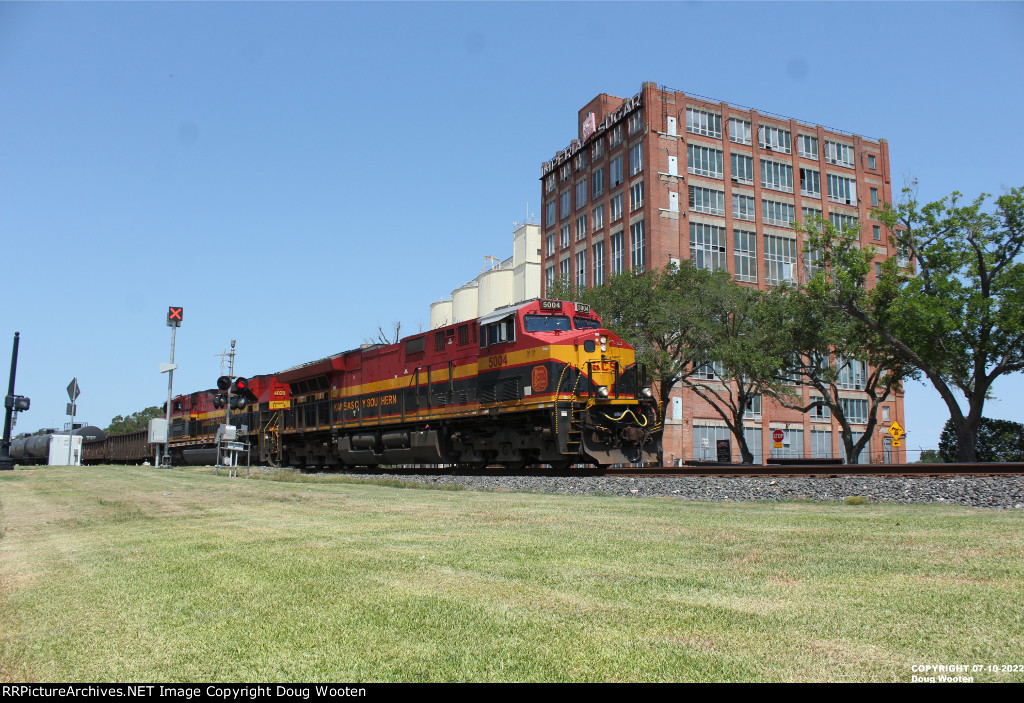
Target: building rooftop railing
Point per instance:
(738, 106)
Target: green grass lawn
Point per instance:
(142, 574)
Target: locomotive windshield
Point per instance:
(585, 323)
(546, 323)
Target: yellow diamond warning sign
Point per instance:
(896, 431)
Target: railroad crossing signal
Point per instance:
(896, 431)
(174, 316)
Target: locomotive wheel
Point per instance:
(516, 466)
(474, 466)
(561, 464)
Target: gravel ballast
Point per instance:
(979, 492)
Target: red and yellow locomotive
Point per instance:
(537, 383)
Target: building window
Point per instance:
(707, 200)
(822, 413)
(855, 409)
(636, 158)
(705, 440)
(616, 207)
(598, 217)
(839, 154)
(581, 269)
(753, 437)
(707, 246)
(597, 151)
(813, 261)
(615, 171)
(744, 250)
(581, 227)
(742, 168)
(618, 259)
(615, 136)
(709, 371)
(842, 189)
(580, 162)
(598, 181)
(551, 243)
(874, 197)
(701, 122)
(876, 233)
(565, 173)
(821, 444)
(792, 445)
(636, 196)
(902, 256)
(774, 138)
(878, 272)
(739, 130)
(871, 162)
(841, 221)
(599, 264)
(704, 161)
(549, 276)
(549, 183)
(776, 176)
(810, 182)
(563, 270)
(638, 246)
(581, 194)
(809, 212)
(550, 213)
(636, 121)
(850, 374)
(564, 239)
(744, 207)
(885, 413)
(779, 259)
(807, 146)
(564, 204)
(753, 409)
(778, 213)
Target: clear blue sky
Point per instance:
(295, 175)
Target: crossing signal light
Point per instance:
(224, 382)
(238, 402)
(17, 403)
(175, 316)
(241, 386)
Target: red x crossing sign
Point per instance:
(174, 316)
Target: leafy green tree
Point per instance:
(816, 332)
(693, 327)
(960, 318)
(998, 440)
(134, 422)
(930, 456)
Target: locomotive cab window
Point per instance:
(498, 332)
(585, 323)
(546, 323)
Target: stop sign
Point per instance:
(778, 436)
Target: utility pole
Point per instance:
(12, 404)
(174, 319)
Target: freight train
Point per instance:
(541, 382)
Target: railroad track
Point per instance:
(825, 470)
(806, 470)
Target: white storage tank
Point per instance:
(464, 302)
(440, 314)
(495, 290)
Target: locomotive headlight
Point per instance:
(604, 343)
(602, 391)
(646, 392)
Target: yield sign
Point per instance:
(73, 390)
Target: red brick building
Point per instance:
(663, 176)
